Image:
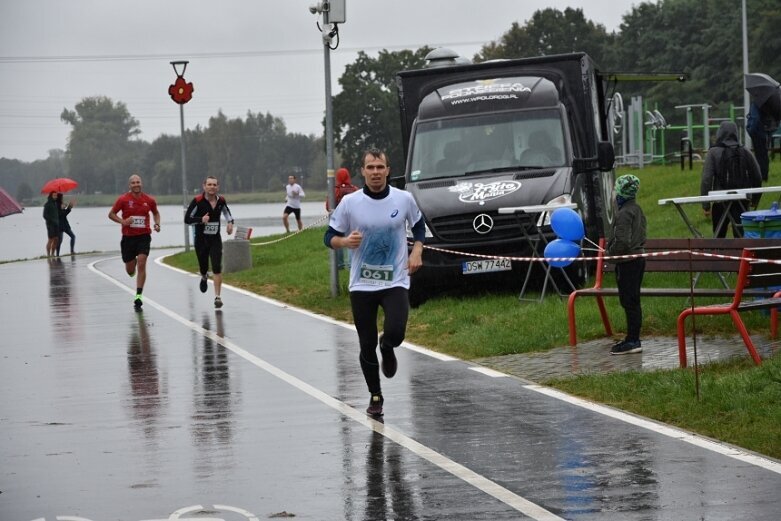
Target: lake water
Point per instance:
(23, 236)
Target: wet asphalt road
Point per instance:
(256, 412)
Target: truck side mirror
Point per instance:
(398, 182)
(606, 156)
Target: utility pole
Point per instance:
(333, 13)
(746, 102)
(182, 92)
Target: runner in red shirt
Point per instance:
(135, 207)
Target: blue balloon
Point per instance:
(567, 224)
(561, 248)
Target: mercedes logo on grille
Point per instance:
(483, 223)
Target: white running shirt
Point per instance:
(294, 195)
(380, 262)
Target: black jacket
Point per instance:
(727, 136)
(200, 206)
(629, 231)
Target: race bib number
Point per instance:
(138, 221)
(211, 228)
(376, 275)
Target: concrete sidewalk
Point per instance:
(594, 357)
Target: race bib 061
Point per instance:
(376, 275)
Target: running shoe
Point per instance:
(375, 405)
(203, 285)
(137, 303)
(626, 347)
(217, 302)
(389, 363)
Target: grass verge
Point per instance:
(739, 402)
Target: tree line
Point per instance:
(702, 38)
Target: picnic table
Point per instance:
(728, 198)
(748, 191)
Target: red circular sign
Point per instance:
(181, 91)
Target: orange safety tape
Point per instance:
(606, 257)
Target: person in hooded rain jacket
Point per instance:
(628, 238)
(714, 177)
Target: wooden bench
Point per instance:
(752, 273)
(672, 263)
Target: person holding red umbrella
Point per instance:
(52, 217)
(135, 207)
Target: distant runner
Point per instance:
(204, 213)
(293, 195)
(135, 207)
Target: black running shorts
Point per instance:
(294, 211)
(134, 245)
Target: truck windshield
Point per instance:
(488, 142)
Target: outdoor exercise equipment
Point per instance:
(641, 131)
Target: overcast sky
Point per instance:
(257, 55)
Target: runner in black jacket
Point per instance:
(204, 213)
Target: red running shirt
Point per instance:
(138, 208)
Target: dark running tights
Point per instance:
(365, 305)
(629, 278)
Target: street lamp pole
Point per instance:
(184, 178)
(329, 31)
(182, 92)
(329, 153)
(746, 102)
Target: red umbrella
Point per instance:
(8, 204)
(61, 185)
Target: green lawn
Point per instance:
(740, 403)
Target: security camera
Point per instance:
(313, 9)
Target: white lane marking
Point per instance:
(411, 347)
(672, 432)
(249, 515)
(456, 469)
(488, 372)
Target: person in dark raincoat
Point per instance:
(52, 218)
(628, 238)
(759, 127)
(65, 227)
(718, 175)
